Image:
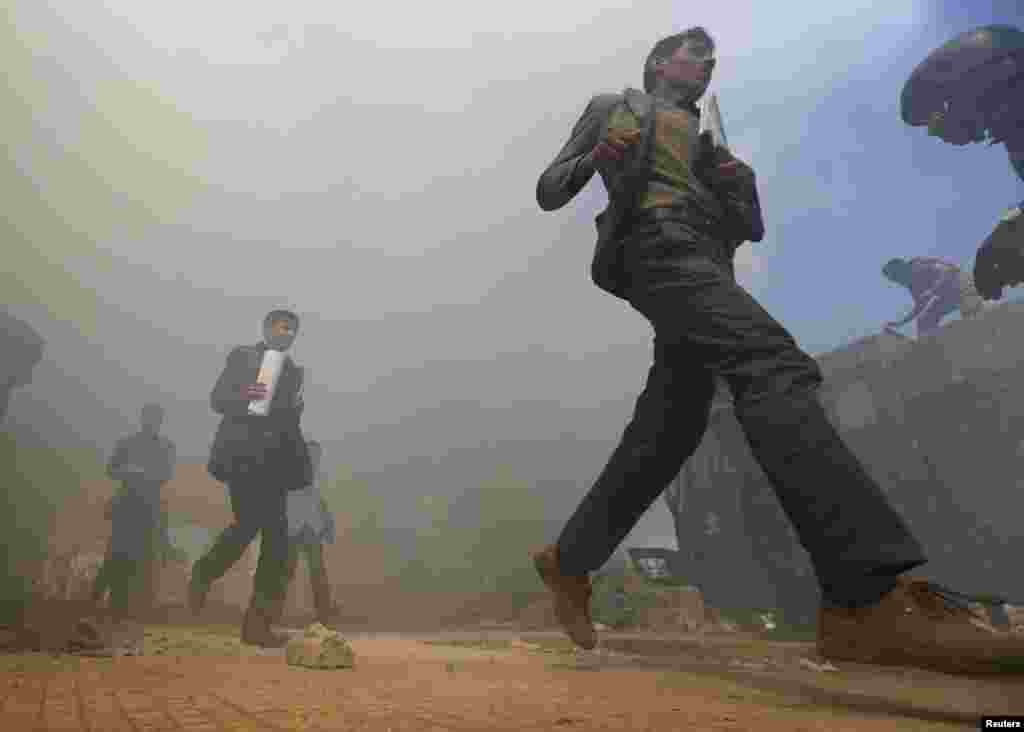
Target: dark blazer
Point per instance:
(572, 169)
(267, 448)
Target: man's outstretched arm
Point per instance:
(921, 304)
(573, 166)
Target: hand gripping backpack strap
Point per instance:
(638, 170)
(624, 195)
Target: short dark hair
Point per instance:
(275, 315)
(664, 48)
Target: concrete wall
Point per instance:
(938, 422)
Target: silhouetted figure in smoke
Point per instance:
(969, 90)
(665, 244)
(310, 526)
(260, 457)
(21, 348)
(141, 463)
(938, 287)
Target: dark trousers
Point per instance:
(129, 571)
(127, 579)
(707, 325)
(259, 508)
(314, 553)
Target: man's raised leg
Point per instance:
(669, 420)
(229, 546)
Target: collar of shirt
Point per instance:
(676, 99)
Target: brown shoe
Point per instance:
(572, 597)
(919, 624)
(256, 630)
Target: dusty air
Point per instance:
(585, 367)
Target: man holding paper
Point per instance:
(260, 453)
(679, 205)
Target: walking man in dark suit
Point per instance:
(142, 463)
(678, 208)
(260, 458)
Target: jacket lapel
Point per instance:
(624, 192)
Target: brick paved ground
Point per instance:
(399, 684)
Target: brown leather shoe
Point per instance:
(256, 630)
(572, 597)
(919, 624)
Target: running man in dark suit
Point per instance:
(677, 210)
(260, 458)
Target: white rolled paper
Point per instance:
(711, 120)
(270, 370)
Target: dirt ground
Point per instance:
(201, 678)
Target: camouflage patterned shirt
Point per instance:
(674, 186)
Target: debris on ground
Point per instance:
(809, 665)
(320, 647)
(19, 639)
(91, 638)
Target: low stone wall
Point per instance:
(938, 422)
(679, 609)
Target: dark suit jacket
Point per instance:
(267, 448)
(572, 169)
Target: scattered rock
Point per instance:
(320, 647)
(678, 609)
(768, 621)
(1015, 616)
(600, 627)
(590, 660)
(15, 639)
(809, 665)
(87, 639)
(749, 665)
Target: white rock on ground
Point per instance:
(809, 665)
(320, 647)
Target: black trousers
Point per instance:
(259, 508)
(314, 553)
(128, 579)
(129, 571)
(706, 325)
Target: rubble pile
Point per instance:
(677, 609)
(320, 647)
